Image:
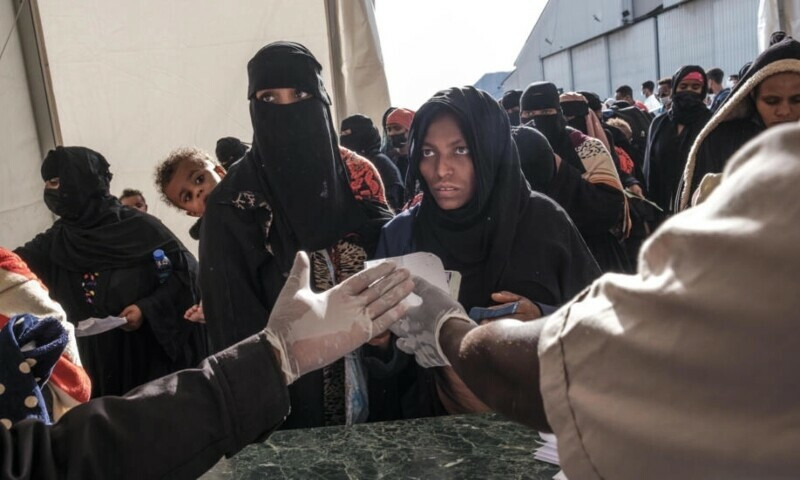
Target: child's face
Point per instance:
(191, 185)
(135, 201)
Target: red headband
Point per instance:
(402, 117)
(696, 76)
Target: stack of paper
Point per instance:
(548, 452)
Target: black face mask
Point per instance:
(399, 140)
(84, 182)
(578, 123)
(513, 118)
(295, 148)
(363, 138)
(552, 126)
(350, 142)
(59, 205)
(687, 107)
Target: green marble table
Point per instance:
(457, 447)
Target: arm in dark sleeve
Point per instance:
(595, 208)
(163, 309)
(231, 253)
(36, 254)
(178, 426)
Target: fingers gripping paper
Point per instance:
(425, 265)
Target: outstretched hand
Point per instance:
(419, 329)
(311, 330)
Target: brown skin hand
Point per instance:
(499, 362)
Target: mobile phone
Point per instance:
(480, 313)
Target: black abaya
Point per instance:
(98, 262)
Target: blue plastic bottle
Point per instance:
(163, 265)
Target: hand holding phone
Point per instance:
(480, 313)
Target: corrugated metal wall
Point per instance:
(735, 33)
(557, 70)
(633, 56)
(709, 33)
(590, 62)
(686, 36)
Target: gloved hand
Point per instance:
(419, 329)
(311, 330)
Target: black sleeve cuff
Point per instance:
(254, 389)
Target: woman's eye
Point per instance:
(427, 152)
(301, 94)
(462, 151)
(199, 179)
(266, 98)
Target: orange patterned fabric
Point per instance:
(11, 262)
(625, 161)
(67, 376)
(365, 181)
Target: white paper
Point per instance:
(422, 264)
(93, 326)
(548, 452)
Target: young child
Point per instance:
(133, 198)
(185, 179)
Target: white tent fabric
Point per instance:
(135, 80)
(22, 211)
(357, 61)
(774, 15)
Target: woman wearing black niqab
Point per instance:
(360, 135)
(586, 183)
(296, 189)
(671, 136)
(505, 238)
(97, 260)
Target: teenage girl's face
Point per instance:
(778, 99)
(446, 164)
(282, 96)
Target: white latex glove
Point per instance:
(311, 330)
(419, 329)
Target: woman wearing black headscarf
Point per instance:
(671, 136)
(767, 95)
(98, 260)
(386, 142)
(360, 135)
(480, 217)
(296, 189)
(510, 103)
(586, 183)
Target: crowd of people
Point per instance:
(530, 200)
